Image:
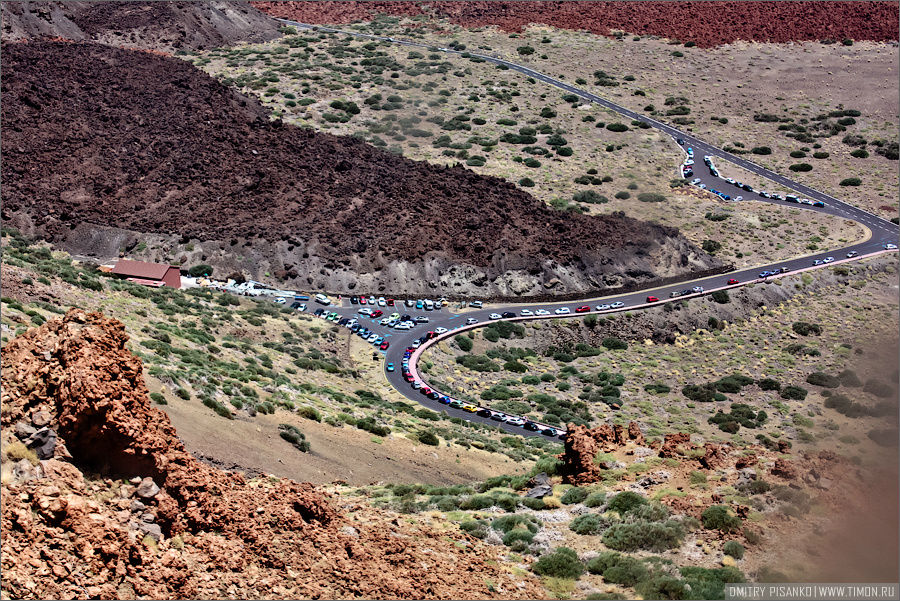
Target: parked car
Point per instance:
(828, 260)
(652, 299)
(890, 246)
(508, 314)
(583, 309)
(531, 426)
(617, 305)
(562, 311)
(471, 320)
(421, 319)
(475, 304)
(817, 262)
(765, 274)
(526, 313)
(674, 294)
(483, 413)
(389, 367)
(697, 289)
(852, 254)
(377, 313)
(733, 281)
(542, 312)
(497, 416)
(384, 345)
(440, 330)
(515, 421)
(603, 307)
(494, 316)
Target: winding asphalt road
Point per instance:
(883, 233)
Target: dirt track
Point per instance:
(145, 143)
(707, 24)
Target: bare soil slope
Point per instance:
(700, 22)
(144, 143)
(157, 25)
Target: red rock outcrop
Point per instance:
(214, 535)
(699, 22)
(784, 469)
(746, 461)
(714, 456)
(676, 444)
(582, 445)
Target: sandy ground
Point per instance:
(337, 453)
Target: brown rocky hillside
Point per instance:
(105, 502)
(98, 137)
(156, 25)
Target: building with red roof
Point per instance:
(148, 274)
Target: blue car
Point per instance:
(765, 274)
(390, 367)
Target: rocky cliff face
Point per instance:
(115, 507)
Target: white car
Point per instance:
(695, 181)
(526, 313)
(403, 325)
(730, 180)
(542, 312)
(365, 311)
(562, 311)
(852, 254)
(890, 246)
(603, 307)
(697, 289)
(279, 300)
(689, 162)
(471, 320)
(828, 259)
(617, 305)
(515, 421)
(494, 316)
(737, 199)
(372, 338)
(382, 302)
(701, 186)
(440, 330)
(416, 343)
(301, 308)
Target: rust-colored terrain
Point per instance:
(115, 507)
(110, 137)
(707, 24)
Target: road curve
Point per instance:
(882, 232)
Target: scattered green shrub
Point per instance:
(720, 517)
(561, 563)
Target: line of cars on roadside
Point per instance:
(497, 416)
(420, 304)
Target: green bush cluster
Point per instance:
(294, 436)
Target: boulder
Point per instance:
(152, 529)
(40, 418)
(24, 431)
(147, 489)
(540, 491)
(43, 442)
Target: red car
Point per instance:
(732, 281)
(384, 345)
(362, 300)
(583, 309)
(390, 302)
(377, 313)
(652, 299)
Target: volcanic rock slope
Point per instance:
(157, 25)
(73, 526)
(707, 24)
(130, 140)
